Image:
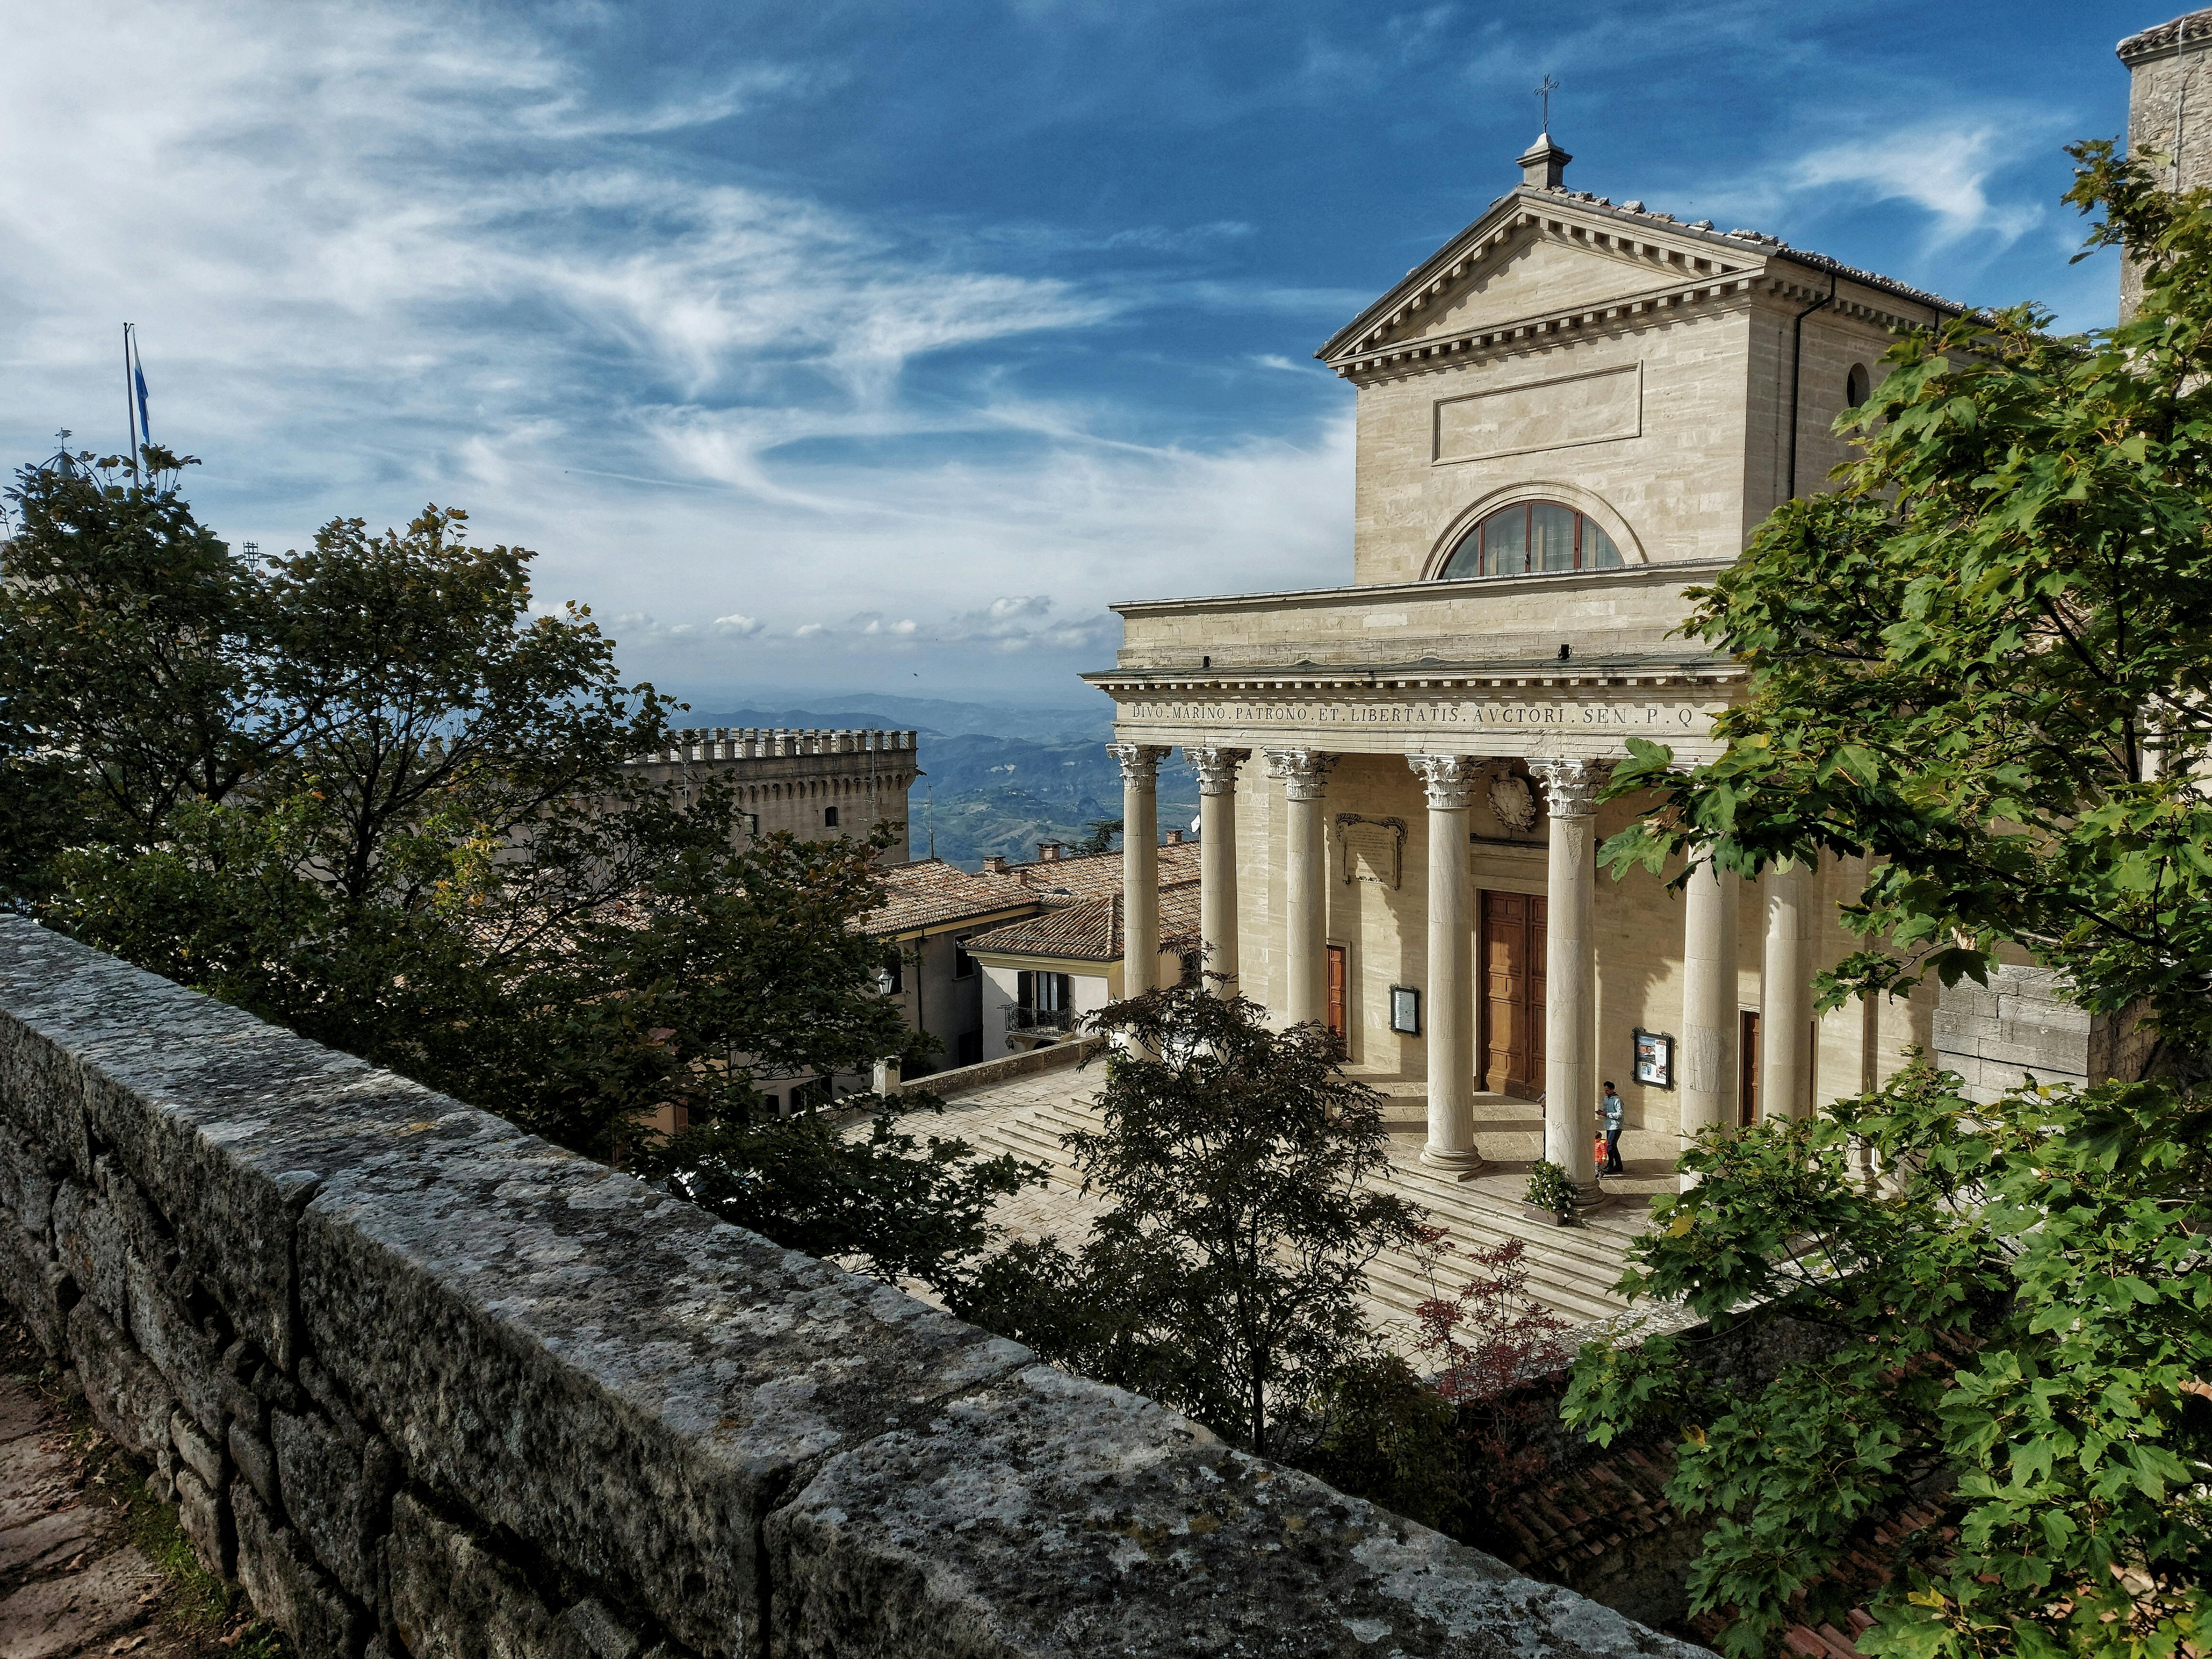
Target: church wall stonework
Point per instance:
(1673, 488)
(426, 1385)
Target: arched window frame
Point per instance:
(1587, 502)
(1858, 385)
(1584, 553)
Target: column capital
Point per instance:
(1304, 772)
(1216, 768)
(1140, 762)
(1450, 779)
(1572, 786)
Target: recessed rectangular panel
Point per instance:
(1602, 406)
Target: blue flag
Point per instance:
(145, 432)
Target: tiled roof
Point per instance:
(1095, 875)
(928, 891)
(1089, 930)
(2165, 38)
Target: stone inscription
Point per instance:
(1467, 716)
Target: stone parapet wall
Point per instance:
(425, 1384)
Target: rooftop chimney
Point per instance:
(1048, 851)
(996, 864)
(1175, 837)
(1544, 165)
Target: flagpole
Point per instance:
(130, 415)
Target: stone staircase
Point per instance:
(1570, 1269)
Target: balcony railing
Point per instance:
(1039, 1019)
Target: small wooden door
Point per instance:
(1747, 1088)
(1510, 951)
(1339, 1024)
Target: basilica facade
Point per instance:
(1572, 413)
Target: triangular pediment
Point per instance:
(1532, 254)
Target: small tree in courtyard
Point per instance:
(1226, 1279)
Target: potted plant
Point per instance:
(1551, 1195)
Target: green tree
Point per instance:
(1226, 1276)
(2021, 1316)
(1104, 832)
(126, 683)
(1984, 661)
(366, 791)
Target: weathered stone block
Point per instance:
(41, 1083)
(604, 1370)
(205, 1519)
(225, 1124)
(453, 1599)
(27, 1187)
(126, 1395)
(288, 1589)
(1051, 1515)
(606, 1636)
(256, 1460)
(336, 1510)
(90, 1241)
(178, 1349)
(47, 1314)
(201, 1455)
(23, 1263)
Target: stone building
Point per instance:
(815, 785)
(1571, 412)
(958, 945)
(1041, 973)
(2170, 107)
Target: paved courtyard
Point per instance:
(1571, 1269)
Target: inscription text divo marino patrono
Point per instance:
(1471, 716)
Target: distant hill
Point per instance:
(1042, 723)
(998, 778)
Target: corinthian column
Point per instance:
(1449, 781)
(1570, 1080)
(1709, 994)
(1304, 775)
(1217, 861)
(1140, 865)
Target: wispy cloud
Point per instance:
(1945, 170)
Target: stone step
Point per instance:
(1570, 1270)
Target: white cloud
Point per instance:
(381, 254)
(1945, 170)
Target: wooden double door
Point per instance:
(1509, 955)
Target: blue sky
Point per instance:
(879, 346)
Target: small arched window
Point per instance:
(1533, 538)
(1856, 385)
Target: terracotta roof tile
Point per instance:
(1096, 875)
(928, 891)
(1089, 930)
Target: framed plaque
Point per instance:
(1406, 1010)
(1655, 1058)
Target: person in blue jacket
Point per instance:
(1609, 1114)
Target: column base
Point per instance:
(1462, 1165)
(1590, 1197)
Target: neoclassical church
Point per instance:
(1569, 414)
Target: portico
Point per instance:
(1407, 854)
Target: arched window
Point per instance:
(1533, 538)
(1856, 385)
